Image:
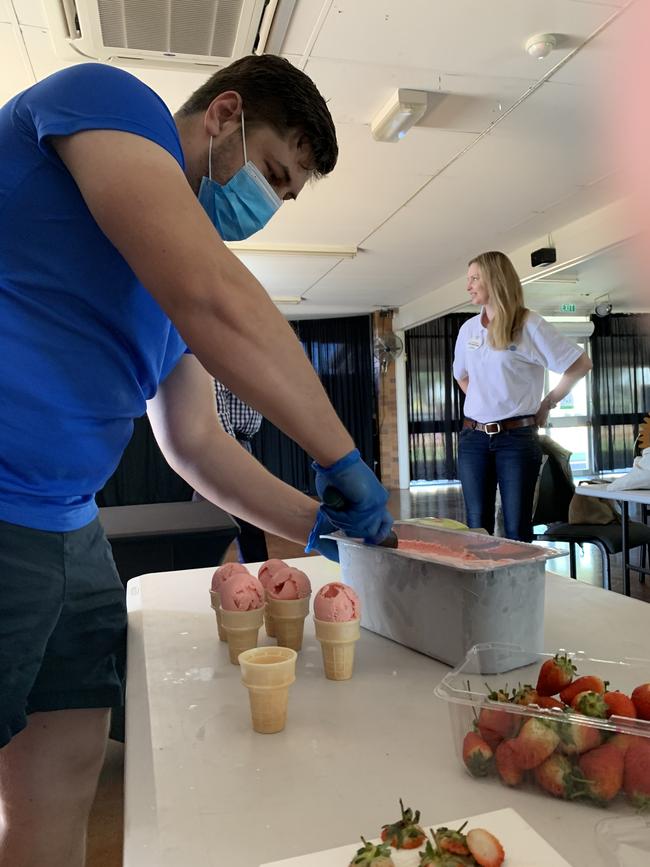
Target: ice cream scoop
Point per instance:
(268, 569)
(333, 499)
(242, 592)
(336, 602)
(223, 573)
(288, 583)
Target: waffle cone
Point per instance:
(215, 602)
(338, 643)
(289, 620)
(267, 673)
(241, 630)
(269, 623)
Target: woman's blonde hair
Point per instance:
(506, 298)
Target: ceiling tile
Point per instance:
(30, 12)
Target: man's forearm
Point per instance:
(227, 475)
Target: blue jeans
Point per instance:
(510, 459)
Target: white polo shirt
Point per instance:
(505, 383)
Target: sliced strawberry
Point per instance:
(371, 855)
(448, 840)
(485, 848)
(555, 674)
(406, 833)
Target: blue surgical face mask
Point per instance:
(244, 205)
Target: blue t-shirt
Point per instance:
(83, 345)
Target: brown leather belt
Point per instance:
(495, 427)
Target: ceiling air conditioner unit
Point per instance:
(186, 33)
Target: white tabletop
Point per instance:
(203, 790)
(604, 491)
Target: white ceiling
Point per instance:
(502, 158)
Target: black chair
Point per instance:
(556, 490)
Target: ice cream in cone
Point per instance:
(266, 572)
(337, 622)
(267, 673)
(287, 602)
(221, 575)
(242, 613)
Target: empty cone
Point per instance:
(241, 630)
(338, 643)
(267, 673)
(215, 602)
(289, 620)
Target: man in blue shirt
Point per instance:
(118, 296)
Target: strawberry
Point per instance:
(485, 848)
(545, 701)
(534, 743)
(555, 674)
(576, 738)
(495, 725)
(636, 778)
(555, 776)
(448, 840)
(509, 771)
(588, 683)
(623, 742)
(641, 700)
(525, 695)
(405, 833)
(590, 704)
(431, 857)
(477, 755)
(372, 856)
(619, 704)
(602, 770)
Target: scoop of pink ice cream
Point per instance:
(224, 573)
(337, 602)
(288, 583)
(242, 592)
(268, 569)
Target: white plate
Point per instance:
(522, 844)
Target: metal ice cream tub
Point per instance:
(469, 589)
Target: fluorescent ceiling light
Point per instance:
(287, 299)
(403, 109)
(322, 250)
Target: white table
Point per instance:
(624, 498)
(199, 780)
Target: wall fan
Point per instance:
(387, 348)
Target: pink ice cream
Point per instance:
(223, 573)
(336, 602)
(434, 548)
(288, 583)
(242, 592)
(268, 569)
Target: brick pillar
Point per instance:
(382, 323)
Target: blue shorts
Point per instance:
(62, 623)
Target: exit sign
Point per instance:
(567, 308)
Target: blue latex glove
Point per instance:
(326, 547)
(365, 515)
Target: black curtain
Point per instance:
(435, 402)
(143, 475)
(620, 386)
(341, 352)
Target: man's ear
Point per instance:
(223, 114)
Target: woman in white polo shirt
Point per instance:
(499, 363)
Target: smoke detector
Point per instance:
(541, 45)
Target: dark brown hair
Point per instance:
(276, 93)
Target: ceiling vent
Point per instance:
(167, 33)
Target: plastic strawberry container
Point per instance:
(466, 688)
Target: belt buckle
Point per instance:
(492, 424)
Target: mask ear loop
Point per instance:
(243, 136)
(210, 159)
